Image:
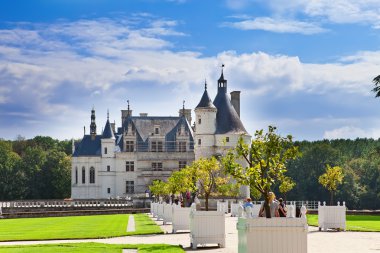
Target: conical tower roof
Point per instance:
(108, 132)
(205, 100)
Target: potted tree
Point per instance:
(265, 165)
(331, 216)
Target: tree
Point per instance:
(331, 179)
(12, 178)
(205, 173)
(376, 81)
(266, 159)
(158, 188)
(286, 185)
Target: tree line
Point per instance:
(37, 168)
(40, 168)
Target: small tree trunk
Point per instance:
(206, 201)
(267, 207)
(331, 198)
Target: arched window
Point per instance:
(76, 175)
(92, 175)
(83, 175)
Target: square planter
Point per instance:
(181, 219)
(207, 227)
(168, 213)
(332, 216)
(160, 211)
(262, 235)
(222, 206)
(235, 209)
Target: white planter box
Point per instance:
(254, 211)
(332, 216)
(291, 213)
(155, 209)
(160, 211)
(168, 213)
(181, 219)
(235, 209)
(262, 235)
(222, 206)
(207, 227)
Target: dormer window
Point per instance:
(227, 139)
(156, 130)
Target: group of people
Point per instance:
(277, 207)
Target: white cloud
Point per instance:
(338, 11)
(347, 132)
(277, 25)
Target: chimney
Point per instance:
(186, 113)
(113, 126)
(235, 101)
(125, 114)
(143, 114)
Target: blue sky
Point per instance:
(305, 67)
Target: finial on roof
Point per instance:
(108, 114)
(128, 104)
(183, 106)
(205, 84)
(84, 130)
(222, 68)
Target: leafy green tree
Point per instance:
(159, 189)
(56, 173)
(266, 159)
(287, 184)
(205, 173)
(32, 165)
(12, 178)
(331, 179)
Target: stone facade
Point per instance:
(123, 162)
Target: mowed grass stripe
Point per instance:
(91, 248)
(363, 223)
(74, 227)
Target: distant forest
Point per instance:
(40, 168)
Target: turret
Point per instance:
(205, 115)
(92, 125)
(108, 140)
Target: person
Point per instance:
(248, 203)
(281, 208)
(273, 205)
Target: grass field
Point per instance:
(90, 248)
(363, 223)
(74, 227)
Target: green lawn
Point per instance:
(74, 227)
(90, 248)
(364, 223)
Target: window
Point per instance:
(157, 166)
(199, 121)
(105, 150)
(129, 166)
(199, 141)
(156, 130)
(92, 175)
(108, 190)
(182, 146)
(108, 168)
(83, 175)
(76, 175)
(130, 187)
(129, 146)
(182, 164)
(227, 139)
(157, 146)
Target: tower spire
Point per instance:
(108, 114)
(222, 83)
(93, 124)
(205, 84)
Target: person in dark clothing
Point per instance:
(281, 208)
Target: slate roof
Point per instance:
(144, 127)
(108, 132)
(88, 147)
(227, 119)
(205, 101)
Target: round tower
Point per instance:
(205, 126)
